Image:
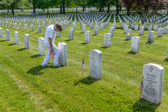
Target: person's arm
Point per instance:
(50, 42)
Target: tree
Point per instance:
(10, 4)
(45, 4)
(34, 2)
(143, 7)
(23, 4)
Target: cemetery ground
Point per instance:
(27, 86)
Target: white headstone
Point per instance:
(73, 26)
(91, 25)
(96, 29)
(71, 34)
(62, 53)
(101, 26)
(39, 29)
(95, 64)
(141, 30)
(58, 34)
(11, 25)
(26, 27)
(149, 28)
(129, 34)
(26, 41)
(15, 25)
(41, 46)
(136, 27)
(87, 37)
(16, 38)
(107, 40)
(135, 44)
(83, 28)
(64, 26)
(166, 30)
(111, 31)
(20, 26)
(151, 36)
(1, 33)
(153, 76)
(126, 28)
(32, 28)
(155, 27)
(160, 32)
(7, 35)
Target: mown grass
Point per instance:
(64, 88)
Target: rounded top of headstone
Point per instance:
(154, 65)
(135, 37)
(63, 43)
(26, 34)
(96, 50)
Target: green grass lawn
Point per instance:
(25, 86)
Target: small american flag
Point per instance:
(52, 54)
(83, 66)
(141, 89)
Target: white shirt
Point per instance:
(50, 33)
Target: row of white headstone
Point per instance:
(61, 45)
(153, 75)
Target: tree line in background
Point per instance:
(142, 7)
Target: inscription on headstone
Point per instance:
(153, 76)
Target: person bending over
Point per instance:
(49, 43)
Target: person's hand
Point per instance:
(52, 53)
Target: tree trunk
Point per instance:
(63, 4)
(8, 10)
(100, 9)
(120, 8)
(117, 8)
(34, 7)
(167, 11)
(128, 11)
(60, 8)
(108, 9)
(103, 9)
(48, 10)
(76, 10)
(12, 7)
(83, 8)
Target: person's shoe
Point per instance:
(44, 65)
(56, 65)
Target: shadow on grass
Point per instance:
(3, 40)
(84, 43)
(144, 106)
(104, 47)
(166, 59)
(35, 56)
(148, 42)
(67, 40)
(94, 34)
(22, 49)
(131, 52)
(119, 28)
(12, 44)
(126, 39)
(81, 32)
(36, 70)
(88, 80)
